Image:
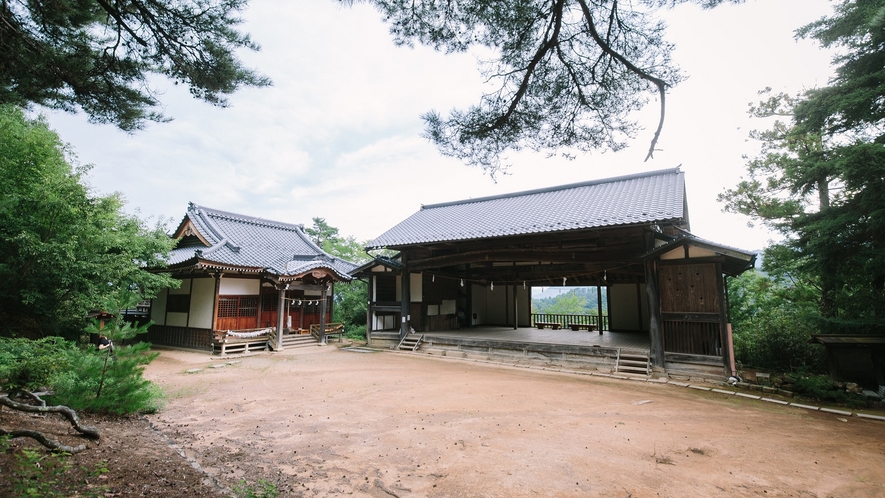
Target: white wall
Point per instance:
(479, 304)
(158, 308)
(416, 287)
(624, 313)
(202, 302)
(176, 319)
(184, 288)
(496, 305)
(239, 286)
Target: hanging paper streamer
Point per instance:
(248, 334)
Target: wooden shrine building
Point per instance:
(473, 262)
(245, 275)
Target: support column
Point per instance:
(217, 277)
(370, 287)
(323, 295)
(469, 294)
(599, 307)
(281, 308)
(655, 332)
(405, 301)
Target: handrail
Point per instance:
(331, 328)
(601, 321)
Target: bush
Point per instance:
(821, 387)
(31, 365)
(779, 341)
(355, 332)
(109, 382)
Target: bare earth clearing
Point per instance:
(324, 421)
(328, 422)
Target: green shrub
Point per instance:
(32, 364)
(262, 489)
(821, 387)
(355, 332)
(39, 474)
(106, 382)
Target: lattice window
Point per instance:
(228, 306)
(248, 306)
(269, 301)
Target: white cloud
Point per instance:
(337, 136)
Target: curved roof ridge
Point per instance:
(248, 219)
(556, 188)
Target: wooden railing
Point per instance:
(225, 342)
(331, 329)
(600, 321)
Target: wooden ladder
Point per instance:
(411, 342)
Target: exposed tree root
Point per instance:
(86, 430)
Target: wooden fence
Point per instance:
(701, 338)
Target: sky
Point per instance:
(338, 134)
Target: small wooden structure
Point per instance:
(858, 358)
(241, 274)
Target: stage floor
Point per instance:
(625, 340)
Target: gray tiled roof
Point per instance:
(244, 241)
(624, 200)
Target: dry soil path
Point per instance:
(327, 422)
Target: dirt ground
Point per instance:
(328, 422)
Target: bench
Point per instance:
(553, 325)
(584, 326)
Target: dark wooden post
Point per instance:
(655, 330)
(370, 286)
(599, 307)
(405, 301)
(323, 295)
(723, 320)
(469, 296)
(515, 307)
(281, 306)
(217, 277)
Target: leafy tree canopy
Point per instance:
(568, 72)
(63, 250)
(98, 55)
(820, 178)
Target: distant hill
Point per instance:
(568, 300)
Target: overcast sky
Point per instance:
(338, 135)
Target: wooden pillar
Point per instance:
(515, 307)
(323, 303)
(724, 337)
(281, 307)
(405, 300)
(655, 330)
(469, 294)
(599, 307)
(370, 289)
(217, 277)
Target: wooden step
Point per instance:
(634, 364)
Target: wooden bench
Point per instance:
(553, 325)
(584, 326)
